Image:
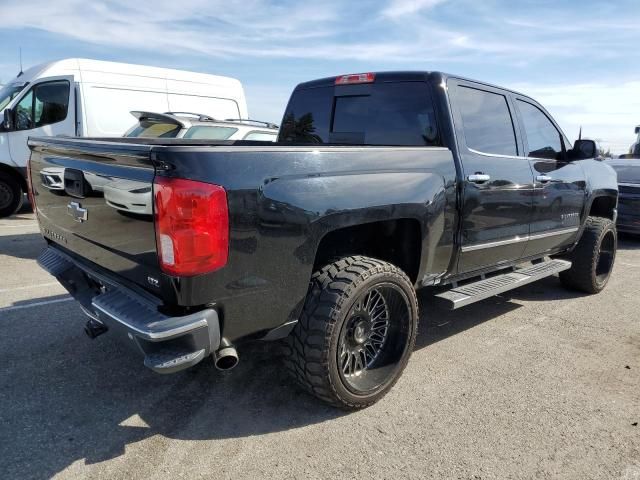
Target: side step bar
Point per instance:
(460, 296)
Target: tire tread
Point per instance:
(581, 275)
(306, 353)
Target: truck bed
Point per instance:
(282, 201)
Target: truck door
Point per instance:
(560, 185)
(46, 109)
(497, 180)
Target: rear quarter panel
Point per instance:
(283, 200)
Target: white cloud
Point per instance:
(212, 27)
(399, 8)
(399, 31)
(606, 112)
(492, 39)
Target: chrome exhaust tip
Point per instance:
(226, 357)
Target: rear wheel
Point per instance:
(592, 259)
(356, 332)
(11, 195)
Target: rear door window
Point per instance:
(398, 113)
(487, 123)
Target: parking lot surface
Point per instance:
(538, 383)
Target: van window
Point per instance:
(487, 123)
(399, 113)
(24, 112)
(45, 104)
(543, 137)
(9, 92)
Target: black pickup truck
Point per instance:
(380, 183)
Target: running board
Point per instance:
(460, 296)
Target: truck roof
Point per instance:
(405, 76)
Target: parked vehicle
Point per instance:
(634, 150)
(197, 126)
(90, 98)
(628, 171)
(381, 183)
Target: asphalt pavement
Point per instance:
(538, 383)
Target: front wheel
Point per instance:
(592, 259)
(356, 332)
(11, 195)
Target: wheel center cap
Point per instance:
(360, 332)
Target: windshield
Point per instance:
(9, 92)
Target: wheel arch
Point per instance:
(397, 241)
(603, 204)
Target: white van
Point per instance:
(91, 98)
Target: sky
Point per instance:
(580, 59)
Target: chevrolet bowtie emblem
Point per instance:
(78, 213)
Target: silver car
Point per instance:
(199, 127)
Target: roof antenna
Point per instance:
(580, 134)
(21, 72)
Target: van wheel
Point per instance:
(592, 259)
(356, 332)
(11, 195)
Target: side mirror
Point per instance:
(637, 129)
(583, 149)
(7, 122)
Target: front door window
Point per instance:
(45, 104)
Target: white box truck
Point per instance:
(91, 98)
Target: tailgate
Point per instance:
(94, 199)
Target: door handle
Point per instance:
(543, 178)
(479, 178)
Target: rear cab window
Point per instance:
(386, 113)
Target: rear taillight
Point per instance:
(355, 78)
(32, 197)
(192, 226)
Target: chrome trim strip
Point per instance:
(499, 243)
(564, 231)
(478, 152)
(521, 157)
(518, 239)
